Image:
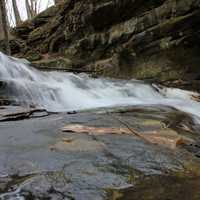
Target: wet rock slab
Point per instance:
(40, 161)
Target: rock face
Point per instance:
(39, 161)
(154, 39)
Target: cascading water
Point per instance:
(56, 91)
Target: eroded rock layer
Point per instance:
(155, 39)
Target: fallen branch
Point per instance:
(136, 133)
(167, 140)
(24, 115)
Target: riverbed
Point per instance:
(40, 161)
(72, 136)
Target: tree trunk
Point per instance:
(28, 10)
(1, 27)
(31, 8)
(3, 19)
(16, 12)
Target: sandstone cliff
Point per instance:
(157, 40)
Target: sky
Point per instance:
(22, 8)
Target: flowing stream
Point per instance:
(38, 162)
(59, 91)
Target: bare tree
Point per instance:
(3, 19)
(28, 9)
(16, 12)
(1, 27)
(32, 8)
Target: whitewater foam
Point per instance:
(59, 91)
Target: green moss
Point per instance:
(38, 33)
(45, 30)
(160, 187)
(57, 63)
(146, 71)
(33, 56)
(165, 43)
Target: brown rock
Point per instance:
(164, 137)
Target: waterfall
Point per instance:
(59, 91)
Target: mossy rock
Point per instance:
(33, 56)
(53, 64)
